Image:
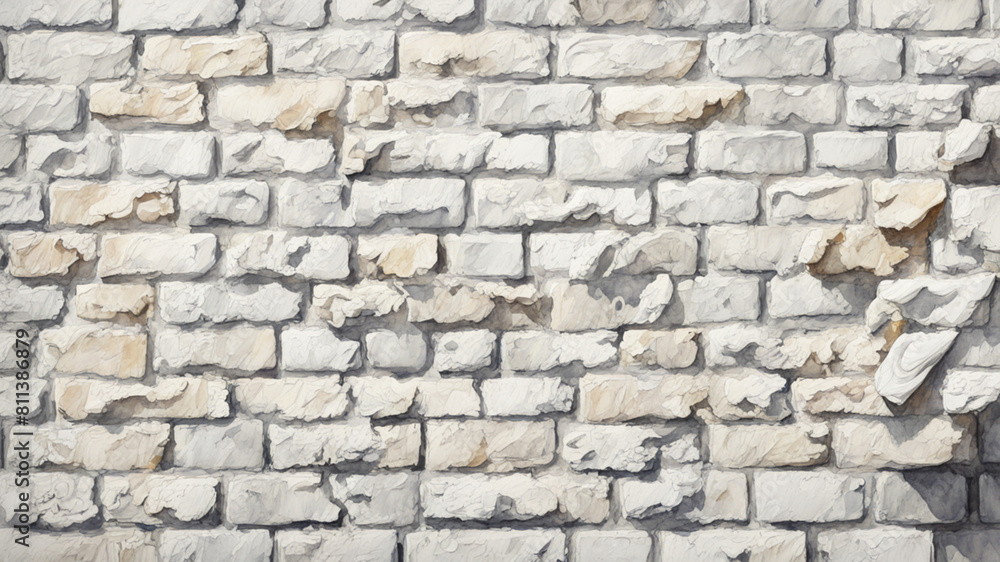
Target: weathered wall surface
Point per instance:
(503, 280)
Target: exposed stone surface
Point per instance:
(500, 280)
(902, 443)
(619, 156)
(488, 53)
(616, 398)
(70, 57)
(176, 104)
(494, 446)
(347, 443)
(818, 497)
(285, 103)
(593, 55)
(739, 446)
(242, 348)
(205, 57)
(890, 542)
(88, 157)
(662, 105)
(237, 445)
(166, 253)
(767, 54)
(762, 544)
(279, 254)
(86, 203)
(501, 203)
(914, 498)
(908, 363)
(270, 151)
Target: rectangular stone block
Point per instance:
(349, 53)
(767, 54)
(153, 254)
(499, 203)
(515, 106)
(600, 55)
(761, 445)
(541, 351)
(883, 543)
(174, 154)
(760, 544)
(236, 445)
(493, 545)
(284, 103)
(920, 498)
(242, 348)
(507, 52)
(620, 156)
(492, 446)
(55, 13)
(143, 15)
(749, 152)
(917, 15)
(914, 105)
(816, 497)
(68, 57)
(908, 442)
(33, 108)
(336, 544)
(206, 57)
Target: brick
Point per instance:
(886, 543)
(620, 156)
(341, 444)
(511, 53)
(516, 106)
(86, 203)
(816, 497)
(142, 15)
(176, 104)
(696, 202)
(760, 544)
(236, 445)
(855, 152)
(59, 13)
(241, 348)
(38, 108)
(908, 442)
(803, 14)
(277, 499)
(285, 103)
(88, 157)
(176, 545)
(493, 545)
(493, 446)
(904, 104)
(599, 55)
(745, 152)
(295, 15)
(766, 54)
(498, 203)
(164, 253)
(916, 15)
(865, 57)
(917, 498)
(174, 154)
(68, 57)
(207, 56)
(336, 544)
(350, 53)
(761, 445)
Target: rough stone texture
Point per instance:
(501, 280)
(71, 57)
(205, 57)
